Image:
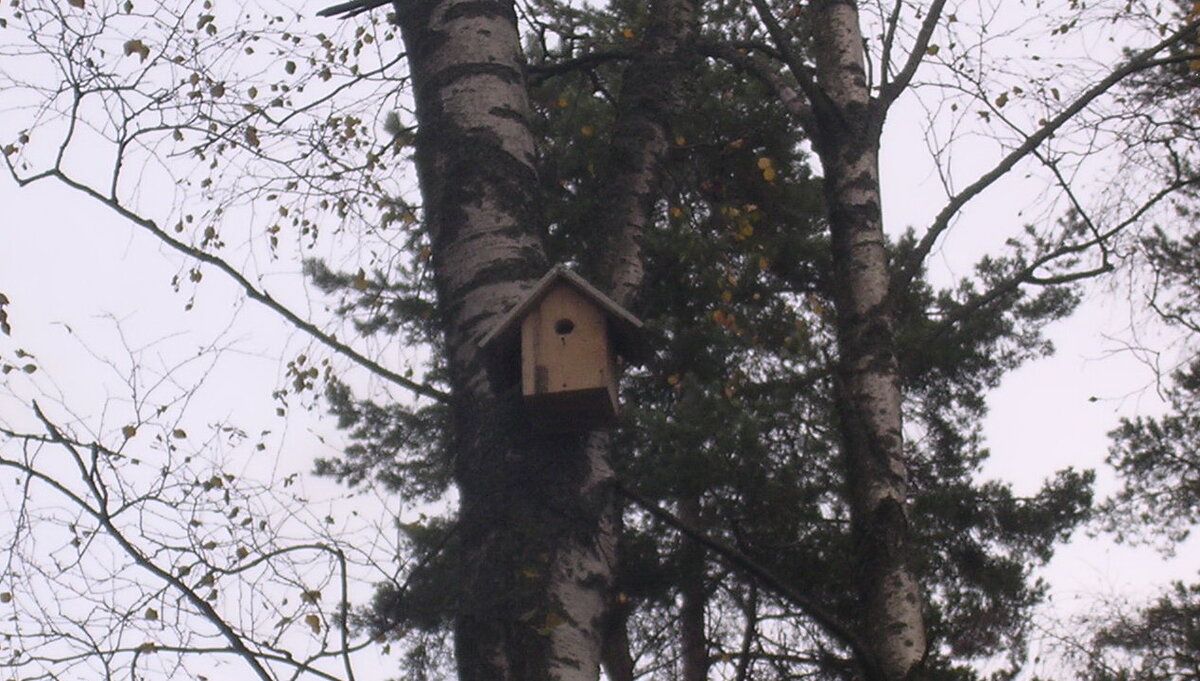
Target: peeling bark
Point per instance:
(536, 514)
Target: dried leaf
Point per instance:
(135, 46)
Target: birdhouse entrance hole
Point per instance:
(564, 326)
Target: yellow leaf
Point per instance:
(764, 163)
(673, 379)
(932, 50)
(6, 597)
(769, 174)
(680, 140)
(242, 552)
(627, 32)
(129, 431)
(151, 614)
(763, 263)
(562, 102)
(727, 296)
(588, 130)
(1002, 99)
(553, 620)
(76, 3)
(676, 211)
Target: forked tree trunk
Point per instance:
(868, 393)
(653, 92)
(536, 514)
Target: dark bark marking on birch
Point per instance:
(481, 8)
(507, 112)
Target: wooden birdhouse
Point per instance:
(570, 336)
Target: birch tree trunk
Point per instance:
(653, 92)
(868, 393)
(536, 519)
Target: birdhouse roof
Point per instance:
(627, 330)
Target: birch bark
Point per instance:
(868, 393)
(536, 519)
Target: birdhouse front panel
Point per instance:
(567, 359)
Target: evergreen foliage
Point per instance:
(734, 412)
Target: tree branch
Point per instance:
(539, 73)
(105, 520)
(741, 561)
(890, 91)
(251, 291)
(797, 105)
(1139, 62)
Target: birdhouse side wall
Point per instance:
(565, 346)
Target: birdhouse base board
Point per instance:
(574, 410)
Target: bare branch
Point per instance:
(252, 291)
(1141, 61)
(891, 90)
